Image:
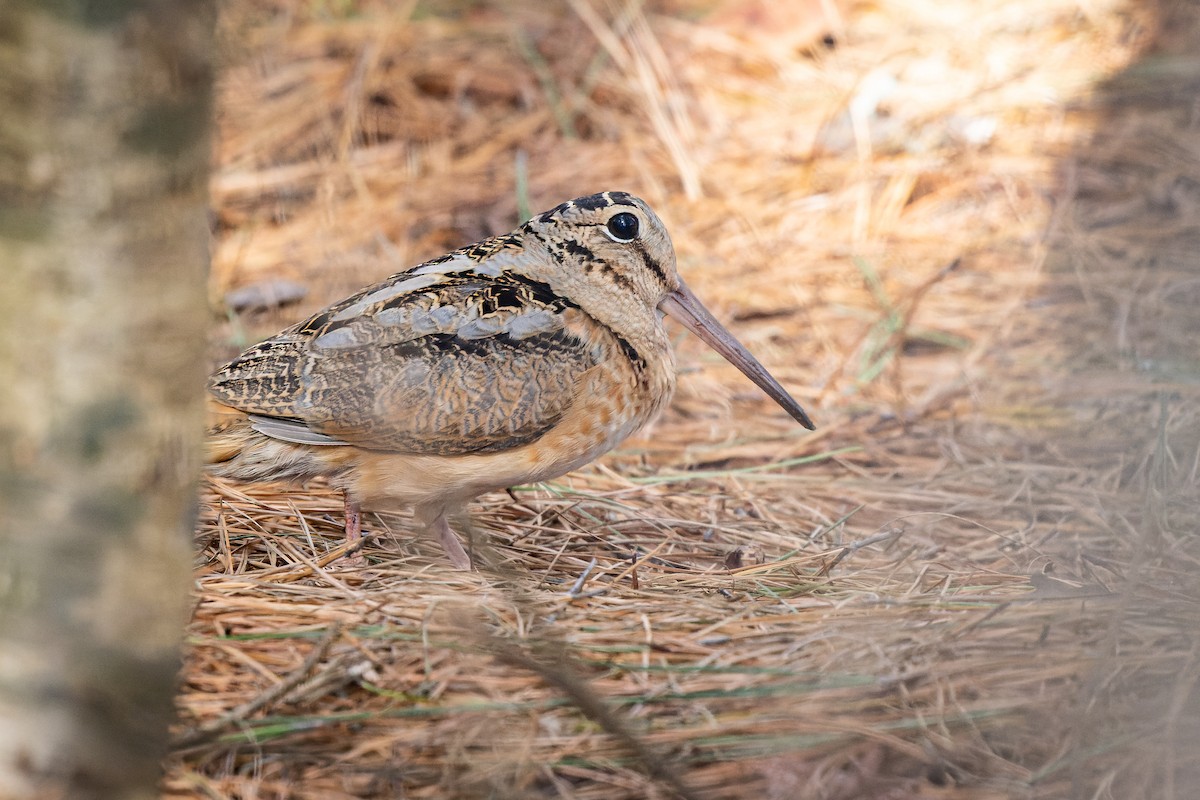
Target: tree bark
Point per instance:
(104, 151)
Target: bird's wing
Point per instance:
(437, 360)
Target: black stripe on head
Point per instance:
(621, 199)
(547, 216)
(579, 250)
(591, 261)
(592, 202)
(650, 263)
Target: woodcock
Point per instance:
(510, 361)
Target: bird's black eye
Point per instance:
(623, 227)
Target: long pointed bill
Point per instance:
(687, 308)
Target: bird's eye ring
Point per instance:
(622, 227)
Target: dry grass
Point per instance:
(965, 236)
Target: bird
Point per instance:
(509, 361)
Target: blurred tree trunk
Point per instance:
(104, 149)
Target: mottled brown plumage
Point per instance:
(512, 360)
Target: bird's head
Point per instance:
(610, 254)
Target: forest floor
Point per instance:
(966, 237)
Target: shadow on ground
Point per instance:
(1123, 296)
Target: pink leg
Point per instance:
(450, 543)
(353, 527)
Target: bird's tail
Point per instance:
(235, 450)
(229, 433)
